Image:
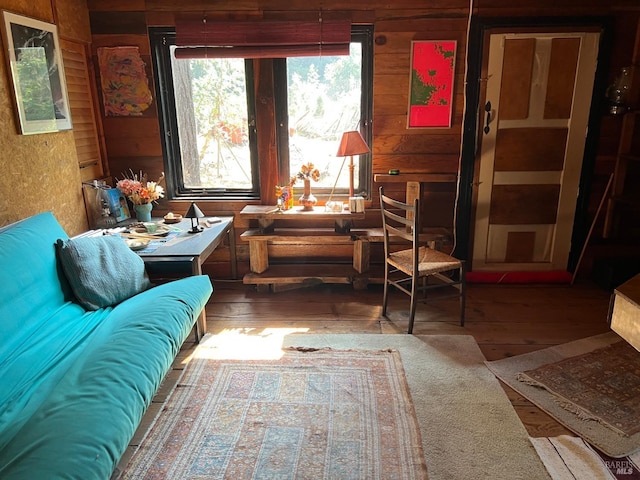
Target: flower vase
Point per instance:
(289, 201)
(307, 200)
(143, 212)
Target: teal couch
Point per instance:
(74, 383)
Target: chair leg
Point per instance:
(412, 307)
(385, 291)
(463, 293)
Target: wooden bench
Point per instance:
(259, 242)
(283, 276)
(361, 239)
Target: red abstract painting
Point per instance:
(431, 85)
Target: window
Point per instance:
(319, 99)
(207, 114)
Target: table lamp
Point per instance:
(352, 144)
(194, 213)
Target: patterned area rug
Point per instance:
(593, 389)
(318, 413)
(603, 385)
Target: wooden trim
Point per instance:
(81, 101)
(416, 177)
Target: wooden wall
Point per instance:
(135, 142)
(40, 172)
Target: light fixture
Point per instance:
(618, 92)
(194, 214)
(352, 144)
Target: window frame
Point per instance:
(364, 35)
(161, 40)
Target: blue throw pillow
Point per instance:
(102, 271)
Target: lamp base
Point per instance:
(196, 230)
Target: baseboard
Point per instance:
(554, 277)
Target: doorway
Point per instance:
(525, 159)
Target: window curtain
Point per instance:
(202, 38)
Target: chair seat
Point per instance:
(429, 261)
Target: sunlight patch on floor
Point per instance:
(245, 343)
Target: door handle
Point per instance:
(487, 108)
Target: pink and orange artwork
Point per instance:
(124, 82)
(431, 84)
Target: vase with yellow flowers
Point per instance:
(307, 173)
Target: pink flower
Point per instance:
(139, 190)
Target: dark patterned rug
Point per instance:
(591, 386)
(320, 413)
(603, 385)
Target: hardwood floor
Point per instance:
(505, 320)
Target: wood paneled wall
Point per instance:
(135, 142)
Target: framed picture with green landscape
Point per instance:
(35, 62)
(431, 84)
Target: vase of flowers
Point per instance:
(141, 193)
(143, 212)
(284, 195)
(307, 173)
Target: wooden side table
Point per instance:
(624, 315)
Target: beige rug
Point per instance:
(469, 428)
(467, 424)
(574, 406)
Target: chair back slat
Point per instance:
(393, 231)
(408, 217)
(403, 224)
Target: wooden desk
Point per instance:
(267, 215)
(193, 249)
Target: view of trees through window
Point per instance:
(324, 95)
(323, 102)
(211, 109)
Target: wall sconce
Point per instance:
(194, 214)
(618, 92)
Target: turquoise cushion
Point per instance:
(102, 271)
(84, 425)
(31, 285)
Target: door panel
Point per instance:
(515, 150)
(539, 88)
(562, 73)
(516, 78)
(524, 204)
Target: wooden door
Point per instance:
(538, 94)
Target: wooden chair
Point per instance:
(409, 269)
